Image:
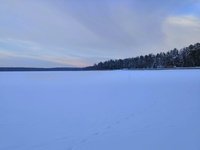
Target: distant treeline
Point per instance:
(185, 57)
(39, 69)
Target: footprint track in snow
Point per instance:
(70, 148)
(84, 140)
(104, 130)
(96, 133)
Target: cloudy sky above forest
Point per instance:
(50, 33)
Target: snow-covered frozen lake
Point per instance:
(107, 110)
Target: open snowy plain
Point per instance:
(100, 110)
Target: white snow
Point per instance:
(105, 110)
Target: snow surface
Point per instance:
(106, 110)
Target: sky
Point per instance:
(77, 33)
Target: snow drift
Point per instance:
(106, 110)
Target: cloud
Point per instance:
(11, 59)
(80, 33)
(181, 30)
(20, 50)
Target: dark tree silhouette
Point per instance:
(185, 57)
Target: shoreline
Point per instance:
(26, 69)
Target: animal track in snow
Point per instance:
(101, 132)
